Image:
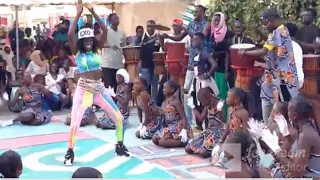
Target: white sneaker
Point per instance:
(6, 123)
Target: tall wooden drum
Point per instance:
(243, 65)
(311, 70)
(132, 58)
(159, 59)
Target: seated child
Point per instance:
(122, 98)
(204, 143)
(238, 117)
(175, 131)
(150, 119)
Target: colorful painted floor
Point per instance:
(42, 149)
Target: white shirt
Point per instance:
(52, 84)
(113, 58)
(298, 58)
(69, 74)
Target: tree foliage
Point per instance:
(250, 10)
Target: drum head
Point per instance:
(131, 47)
(311, 56)
(242, 46)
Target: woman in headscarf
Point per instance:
(218, 30)
(122, 97)
(38, 64)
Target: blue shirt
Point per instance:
(193, 28)
(281, 66)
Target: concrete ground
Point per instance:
(42, 149)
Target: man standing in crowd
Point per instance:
(177, 27)
(28, 36)
(194, 27)
(276, 85)
(148, 43)
(112, 57)
(12, 36)
(136, 39)
(308, 36)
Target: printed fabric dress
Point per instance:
(32, 104)
(208, 138)
(106, 122)
(281, 67)
(88, 117)
(172, 122)
(155, 121)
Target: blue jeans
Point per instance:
(51, 103)
(152, 80)
(266, 110)
(186, 88)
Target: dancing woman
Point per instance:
(90, 89)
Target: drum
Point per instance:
(159, 59)
(131, 54)
(310, 86)
(245, 75)
(241, 61)
(311, 65)
(175, 58)
(133, 71)
(17, 107)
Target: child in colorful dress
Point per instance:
(238, 117)
(150, 118)
(122, 97)
(176, 131)
(204, 143)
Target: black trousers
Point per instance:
(109, 77)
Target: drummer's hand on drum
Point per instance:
(165, 35)
(241, 52)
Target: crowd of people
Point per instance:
(84, 69)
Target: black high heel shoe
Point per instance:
(69, 158)
(122, 150)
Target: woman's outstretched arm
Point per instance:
(72, 30)
(103, 37)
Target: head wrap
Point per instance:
(219, 32)
(124, 74)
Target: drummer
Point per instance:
(177, 31)
(195, 26)
(281, 68)
(308, 36)
(149, 46)
(238, 28)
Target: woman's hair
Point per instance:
(95, 45)
(175, 86)
(10, 161)
(282, 108)
(304, 110)
(242, 95)
(249, 150)
(87, 172)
